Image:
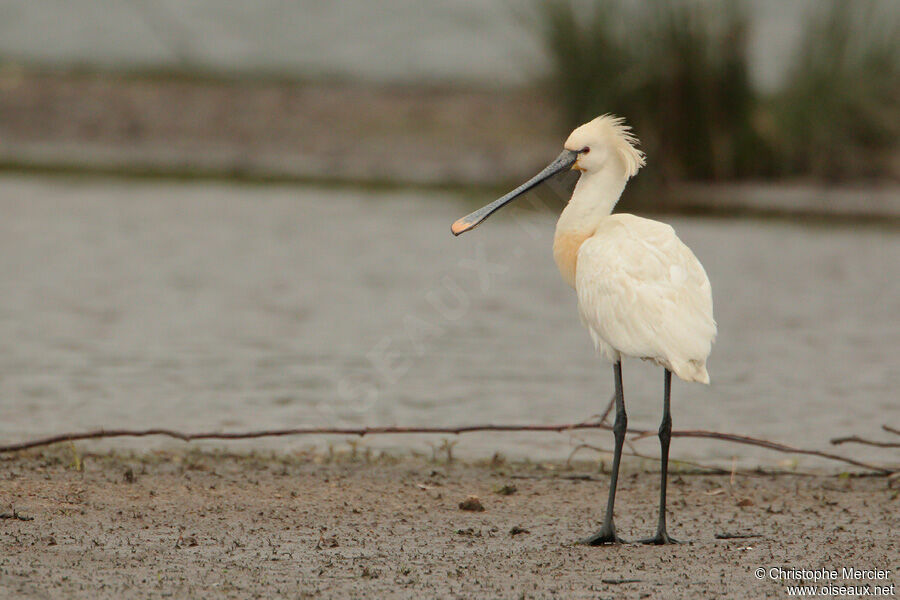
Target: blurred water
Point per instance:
(211, 306)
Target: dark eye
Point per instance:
(585, 150)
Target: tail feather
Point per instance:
(691, 370)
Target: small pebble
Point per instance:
(472, 503)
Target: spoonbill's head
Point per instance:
(605, 144)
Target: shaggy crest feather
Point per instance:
(618, 134)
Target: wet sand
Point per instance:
(194, 524)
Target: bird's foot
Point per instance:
(660, 539)
(606, 535)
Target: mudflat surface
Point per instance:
(206, 524)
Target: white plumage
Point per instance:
(641, 291)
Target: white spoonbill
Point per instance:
(641, 291)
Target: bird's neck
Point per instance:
(594, 198)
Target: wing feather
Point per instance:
(643, 292)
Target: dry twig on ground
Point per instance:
(363, 431)
(855, 439)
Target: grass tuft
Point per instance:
(679, 71)
(838, 116)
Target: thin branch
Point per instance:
(15, 515)
(245, 435)
(712, 470)
(777, 446)
(363, 431)
(859, 440)
(736, 536)
(855, 439)
(609, 407)
(636, 454)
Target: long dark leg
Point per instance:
(607, 533)
(665, 436)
